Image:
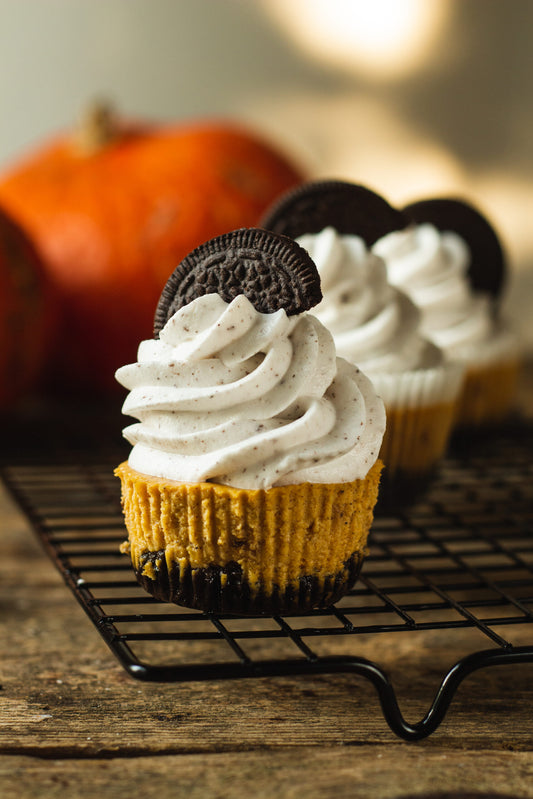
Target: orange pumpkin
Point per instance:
(26, 313)
(114, 212)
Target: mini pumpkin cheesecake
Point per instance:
(452, 264)
(254, 469)
(375, 326)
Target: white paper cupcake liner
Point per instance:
(420, 388)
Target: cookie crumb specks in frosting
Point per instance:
(373, 324)
(431, 266)
(487, 264)
(259, 399)
(255, 396)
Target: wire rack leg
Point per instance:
(445, 694)
(360, 666)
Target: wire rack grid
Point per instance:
(463, 559)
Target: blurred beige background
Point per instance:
(411, 97)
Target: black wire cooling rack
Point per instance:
(462, 559)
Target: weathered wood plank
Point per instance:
(341, 772)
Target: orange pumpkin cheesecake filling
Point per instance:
(284, 548)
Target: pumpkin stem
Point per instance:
(96, 128)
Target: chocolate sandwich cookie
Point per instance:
(487, 267)
(270, 269)
(347, 207)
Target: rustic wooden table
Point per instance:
(74, 723)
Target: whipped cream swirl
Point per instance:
(431, 267)
(373, 324)
(251, 400)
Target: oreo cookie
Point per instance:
(271, 270)
(487, 268)
(347, 207)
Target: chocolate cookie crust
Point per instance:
(226, 590)
(271, 270)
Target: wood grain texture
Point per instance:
(316, 773)
(73, 723)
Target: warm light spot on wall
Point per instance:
(405, 173)
(384, 38)
(356, 137)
